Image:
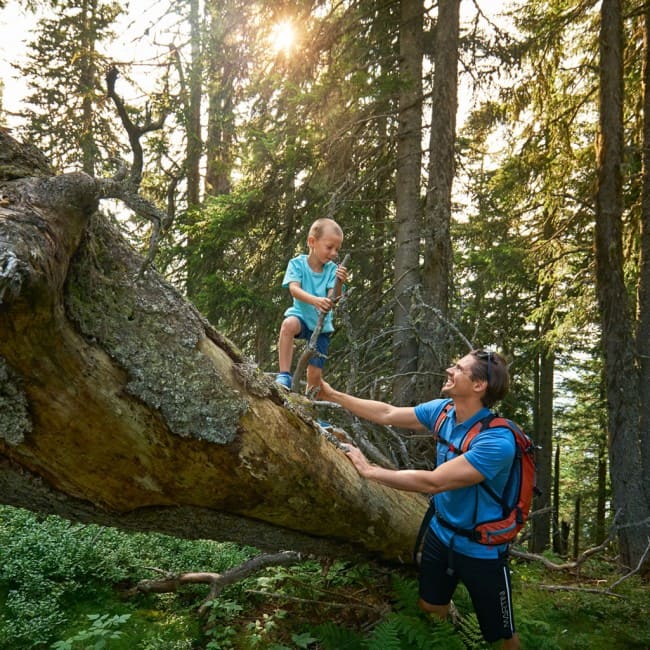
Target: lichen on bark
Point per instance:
(146, 327)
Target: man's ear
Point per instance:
(480, 385)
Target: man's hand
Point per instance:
(359, 461)
(326, 391)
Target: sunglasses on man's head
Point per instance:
(486, 355)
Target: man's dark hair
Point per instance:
(491, 367)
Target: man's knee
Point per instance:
(441, 611)
(512, 643)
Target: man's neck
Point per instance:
(465, 409)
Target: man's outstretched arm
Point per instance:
(372, 410)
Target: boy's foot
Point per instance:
(284, 380)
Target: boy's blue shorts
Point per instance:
(322, 344)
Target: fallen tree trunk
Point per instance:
(121, 405)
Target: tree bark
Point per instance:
(621, 369)
(543, 435)
(643, 329)
(121, 405)
(408, 205)
(435, 349)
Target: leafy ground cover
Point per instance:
(62, 586)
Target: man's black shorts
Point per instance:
(487, 581)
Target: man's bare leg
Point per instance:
(441, 611)
(512, 643)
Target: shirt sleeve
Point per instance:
(492, 451)
(293, 273)
(427, 413)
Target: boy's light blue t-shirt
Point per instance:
(317, 284)
(491, 453)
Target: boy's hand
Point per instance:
(322, 304)
(342, 273)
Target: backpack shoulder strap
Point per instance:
(441, 417)
(489, 422)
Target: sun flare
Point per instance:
(283, 37)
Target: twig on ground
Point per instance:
(216, 581)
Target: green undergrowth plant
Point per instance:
(62, 583)
(102, 629)
(52, 571)
(404, 627)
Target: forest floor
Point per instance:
(65, 586)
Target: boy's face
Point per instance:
(326, 247)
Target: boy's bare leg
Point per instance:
(288, 330)
(314, 376)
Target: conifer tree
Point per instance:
(70, 119)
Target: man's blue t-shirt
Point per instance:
(491, 453)
(317, 284)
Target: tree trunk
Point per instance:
(643, 330)
(543, 435)
(87, 86)
(602, 494)
(621, 376)
(121, 405)
(194, 138)
(408, 208)
(576, 528)
(557, 533)
(434, 354)
(222, 67)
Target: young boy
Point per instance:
(309, 278)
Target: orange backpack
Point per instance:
(517, 494)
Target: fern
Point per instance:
(470, 632)
(406, 595)
(335, 637)
(385, 636)
(423, 632)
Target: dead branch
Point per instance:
(586, 590)
(127, 189)
(636, 569)
(565, 566)
(134, 131)
(320, 603)
(217, 581)
(608, 591)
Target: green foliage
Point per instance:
(57, 578)
(336, 637)
(49, 569)
(69, 120)
(103, 628)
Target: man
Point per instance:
(473, 384)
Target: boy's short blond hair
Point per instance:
(320, 226)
